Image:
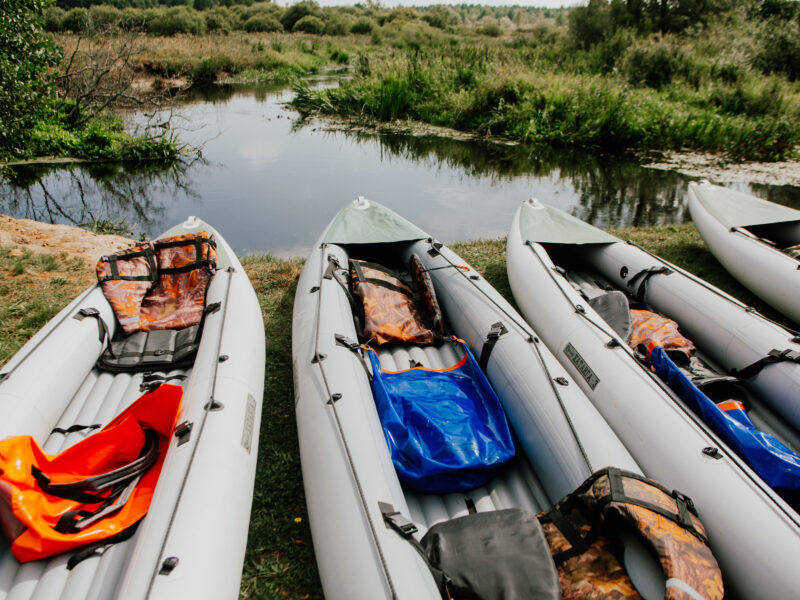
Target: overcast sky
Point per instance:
(389, 3)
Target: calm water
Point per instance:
(269, 184)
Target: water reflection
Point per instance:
(133, 195)
(270, 183)
(611, 190)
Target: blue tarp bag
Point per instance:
(776, 464)
(446, 430)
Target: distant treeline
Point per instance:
(171, 17)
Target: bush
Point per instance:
(218, 20)
(336, 26)
(780, 49)
(490, 29)
(179, 19)
(262, 22)
(436, 17)
(340, 57)
(76, 20)
(653, 65)
(296, 12)
(363, 25)
(54, 18)
(309, 24)
(102, 18)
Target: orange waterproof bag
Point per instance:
(93, 491)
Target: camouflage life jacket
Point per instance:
(651, 328)
(161, 284)
(583, 528)
(396, 309)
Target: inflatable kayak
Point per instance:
(191, 541)
(349, 364)
(570, 280)
(757, 241)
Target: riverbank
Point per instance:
(44, 266)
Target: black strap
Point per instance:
(773, 356)
(74, 428)
(112, 259)
(103, 331)
(407, 529)
(494, 334)
(345, 341)
(643, 276)
(94, 549)
(153, 381)
(79, 490)
(684, 505)
(361, 278)
(578, 543)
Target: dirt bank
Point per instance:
(57, 239)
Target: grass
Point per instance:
(280, 560)
(33, 288)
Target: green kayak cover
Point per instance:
(366, 222)
(547, 225)
(735, 209)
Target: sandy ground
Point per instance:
(55, 239)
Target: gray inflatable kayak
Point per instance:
(757, 241)
(558, 266)
(347, 467)
(191, 544)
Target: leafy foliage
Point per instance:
(26, 56)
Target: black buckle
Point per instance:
(345, 341)
(496, 331)
(396, 520)
(87, 312)
(684, 501)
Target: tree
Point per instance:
(26, 56)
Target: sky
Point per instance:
(390, 3)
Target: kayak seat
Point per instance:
(397, 306)
(158, 293)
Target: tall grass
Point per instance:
(491, 90)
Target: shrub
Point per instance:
(102, 17)
(218, 20)
(336, 26)
(490, 29)
(436, 17)
(54, 18)
(340, 57)
(363, 25)
(296, 12)
(76, 20)
(309, 24)
(179, 19)
(652, 65)
(262, 22)
(780, 49)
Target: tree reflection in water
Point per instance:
(122, 194)
(612, 191)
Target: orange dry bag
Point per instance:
(95, 490)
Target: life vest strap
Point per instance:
(79, 489)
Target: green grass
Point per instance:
(280, 560)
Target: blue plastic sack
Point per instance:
(446, 430)
(776, 464)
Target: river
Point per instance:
(269, 183)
